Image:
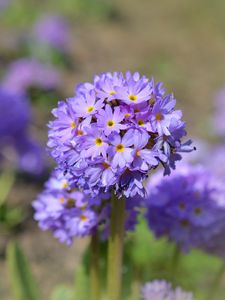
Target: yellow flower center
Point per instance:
(105, 165)
(158, 117)
(112, 93)
(83, 218)
(132, 97)
(138, 152)
(110, 123)
(90, 108)
(70, 203)
(65, 185)
(98, 142)
(127, 115)
(72, 125)
(120, 148)
(198, 211)
(141, 122)
(80, 132)
(185, 223)
(62, 200)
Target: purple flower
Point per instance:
(135, 90)
(121, 151)
(69, 213)
(188, 207)
(26, 73)
(53, 31)
(86, 105)
(110, 121)
(94, 144)
(117, 135)
(24, 153)
(162, 290)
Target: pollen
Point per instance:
(70, 203)
(90, 108)
(62, 200)
(98, 142)
(110, 123)
(138, 153)
(112, 93)
(80, 132)
(185, 223)
(72, 125)
(158, 117)
(83, 218)
(141, 122)
(132, 97)
(198, 211)
(120, 148)
(65, 185)
(127, 115)
(105, 165)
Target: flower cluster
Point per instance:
(188, 207)
(52, 31)
(30, 73)
(162, 290)
(14, 121)
(69, 213)
(114, 131)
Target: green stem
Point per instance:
(6, 182)
(115, 248)
(216, 283)
(94, 270)
(175, 261)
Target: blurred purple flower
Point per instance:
(53, 31)
(27, 155)
(27, 73)
(162, 290)
(188, 207)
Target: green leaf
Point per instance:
(22, 282)
(62, 292)
(81, 284)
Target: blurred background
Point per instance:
(46, 48)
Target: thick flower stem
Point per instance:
(115, 248)
(94, 270)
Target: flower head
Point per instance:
(29, 73)
(127, 126)
(69, 213)
(52, 30)
(162, 290)
(188, 207)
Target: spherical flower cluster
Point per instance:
(188, 207)
(52, 31)
(114, 131)
(162, 290)
(69, 213)
(30, 73)
(14, 122)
